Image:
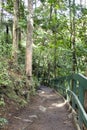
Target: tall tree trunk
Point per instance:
(29, 41)
(50, 15)
(19, 29)
(73, 40)
(55, 49)
(1, 12)
(70, 23)
(72, 35)
(7, 33)
(15, 32)
(55, 56)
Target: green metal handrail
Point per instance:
(75, 86)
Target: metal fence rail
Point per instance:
(74, 88)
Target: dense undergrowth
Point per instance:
(14, 85)
(54, 53)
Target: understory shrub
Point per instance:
(3, 121)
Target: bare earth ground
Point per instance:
(46, 111)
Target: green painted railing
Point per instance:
(74, 88)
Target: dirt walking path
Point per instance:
(46, 111)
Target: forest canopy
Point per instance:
(41, 39)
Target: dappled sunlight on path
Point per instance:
(46, 111)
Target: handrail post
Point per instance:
(64, 87)
(68, 99)
(81, 98)
(74, 90)
(81, 94)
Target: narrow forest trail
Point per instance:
(46, 111)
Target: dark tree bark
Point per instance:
(7, 34)
(73, 41)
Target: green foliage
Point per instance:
(23, 23)
(36, 83)
(22, 102)
(4, 76)
(52, 39)
(2, 103)
(13, 83)
(9, 6)
(52, 48)
(3, 121)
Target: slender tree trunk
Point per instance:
(7, 34)
(55, 49)
(29, 41)
(1, 12)
(51, 11)
(80, 2)
(19, 29)
(70, 23)
(72, 36)
(55, 57)
(48, 71)
(73, 41)
(15, 32)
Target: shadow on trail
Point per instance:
(46, 111)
